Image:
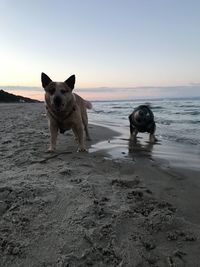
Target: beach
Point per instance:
(113, 206)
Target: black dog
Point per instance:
(142, 120)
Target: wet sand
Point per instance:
(88, 209)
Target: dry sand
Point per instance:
(80, 209)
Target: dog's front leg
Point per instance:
(53, 136)
(133, 136)
(152, 138)
(88, 138)
(78, 132)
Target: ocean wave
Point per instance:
(156, 107)
(104, 111)
(186, 122)
(164, 122)
(182, 140)
(188, 112)
(194, 113)
(188, 106)
(120, 107)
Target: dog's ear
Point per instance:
(71, 81)
(45, 80)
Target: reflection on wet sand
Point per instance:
(138, 149)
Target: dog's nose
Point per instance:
(141, 113)
(57, 101)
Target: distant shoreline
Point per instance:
(6, 97)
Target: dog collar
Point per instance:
(57, 119)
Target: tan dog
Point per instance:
(65, 110)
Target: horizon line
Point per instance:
(106, 87)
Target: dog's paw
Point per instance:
(51, 150)
(82, 150)
(153, 140)
(133, 138)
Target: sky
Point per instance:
(116, 48)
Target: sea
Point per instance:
(177, 128)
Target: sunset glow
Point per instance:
(112, 44)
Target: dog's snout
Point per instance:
(57, 101)
(141, 113)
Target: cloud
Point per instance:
(111, 93)
(21, 88)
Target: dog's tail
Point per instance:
(88, 104)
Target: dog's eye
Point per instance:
(52, 91)
(63, 91)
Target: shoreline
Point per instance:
(169, 153)
(81, 209)
(176, 171)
